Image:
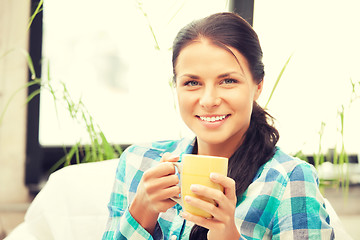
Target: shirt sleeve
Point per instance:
(121, 225)
(301, 213)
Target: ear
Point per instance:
(258, 90)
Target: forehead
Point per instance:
(207, 52)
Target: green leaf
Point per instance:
(33, 82)
(299, 154)
(77, 153)
(71, 153)
(277, 81)
(32, 95)
(30, 63)
(57, 164)
(6, 53)
(37, 10)
(139, 5)
(109, 152)
(87, 153)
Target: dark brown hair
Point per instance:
(224, 29)
(230, 30)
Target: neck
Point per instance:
(219, 150)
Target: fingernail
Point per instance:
(213, 176)
(166, 154)
(173, 156)
(169, 155)
(194, 187)
(183, 214)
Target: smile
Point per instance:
(213, 118)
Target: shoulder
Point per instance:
(143, 156)
(155, 150)
(284, 190)
(280, 173)
(287, 168)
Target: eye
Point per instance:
(229, 81)
(191, 83)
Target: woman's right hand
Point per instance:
(157, 186)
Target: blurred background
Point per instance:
(112, 60)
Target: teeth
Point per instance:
(213, 119)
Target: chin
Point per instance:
(212, 139)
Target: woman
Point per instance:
(218, 73)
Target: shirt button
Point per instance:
(173, 237)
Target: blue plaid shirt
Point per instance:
(282, 202)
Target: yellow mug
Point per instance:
(196, 169)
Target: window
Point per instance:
(108, 57)
(323, 38)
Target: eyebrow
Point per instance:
(190, 76)
(223, 75)
(227, 74)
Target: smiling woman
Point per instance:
(215, 91)
(218, 74)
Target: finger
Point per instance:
(204, 222)
(208, 192)
(164, 182)
(228, 184)
(162, 169)
(166, 193)
(204, 205)
(168, 157)
(224, 205)
(164, 205)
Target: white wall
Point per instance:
(14, 16)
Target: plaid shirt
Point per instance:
(282, 202)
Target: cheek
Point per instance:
(184, 101)
(242, 104)
(239, 98)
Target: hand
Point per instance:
(222, 225)
(156, 187)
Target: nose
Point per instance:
(209, 98)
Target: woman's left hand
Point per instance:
(222, 225)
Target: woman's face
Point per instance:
(216, 93)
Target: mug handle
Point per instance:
(179, 167)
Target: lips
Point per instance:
(213, 118)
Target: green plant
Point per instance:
(342, 158)
(33, 82)
(355, 88)
(339, 156)
(99, 149)
(319, 157)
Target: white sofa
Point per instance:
(73, 205)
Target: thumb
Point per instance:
(168, 157)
